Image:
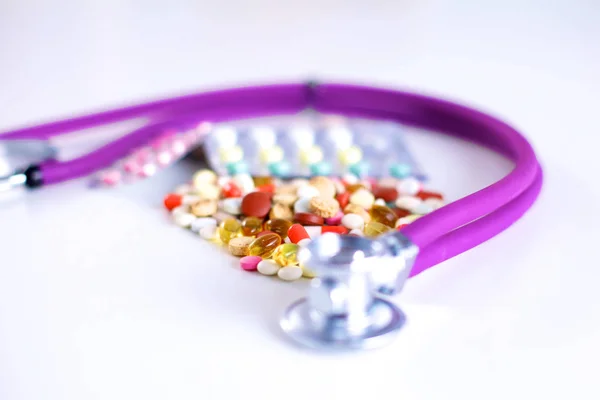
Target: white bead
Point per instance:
(268, 267)
(225, 136)
(190, 199)
(434, 203)
(244, 182)
(357, 232)
(290, 273)
(302, 136)
(233, 205)
(408, 202)
(184, 219)
(308, 191)
(208, 232)
(264, 136)
(200, 223)
(380, 202)
(302, 205)
(313, 231)
(409, 187)
(304, 242)
(183, 209)
(184, 189)
(353, 221)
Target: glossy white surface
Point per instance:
(102, 297)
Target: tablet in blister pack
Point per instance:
(312, 146)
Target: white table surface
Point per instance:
(101, 297)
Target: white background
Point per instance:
(101, 297)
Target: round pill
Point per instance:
(239, 246)
(285, 199)
(280, 168)
(235, 168)
(302, 136)
(208, 191)
(268, 267)
(302, 205)
(244, 182)
(354, 209)
(200, 223)
(308, 219)
(400, 170)
(386, 193)
(311, 155)
(325, 207)
(408, 202)
(204, 208)
(172, 200)
(204, 177)
(353, 221)
(296, 233)
(308, 191)
(324, 185)
(231, 154)
(336, 219)
(322, 168)
(351, 155)
(264, 136)
(362, 198)
(290, 273)
(250, 263)
(225, 136)
(409, 187)
(233, 205)
(271, 154)
(256, 204)
(184, 219)
(208, 232)
(281, 211)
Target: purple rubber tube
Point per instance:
(440, 235)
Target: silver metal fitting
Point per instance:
(345, 307)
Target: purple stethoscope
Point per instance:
(347, 306)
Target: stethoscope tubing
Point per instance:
(439, 235)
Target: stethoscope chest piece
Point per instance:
(345, 309)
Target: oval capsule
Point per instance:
(265, 245)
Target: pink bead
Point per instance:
(336, 219)
(164, 158)
(110, 177)
(142, 155)
(250, 263)
(132, 166)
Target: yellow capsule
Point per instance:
(252, 226)
(384, 215)
(229, 229)
(279, 226)
(264, 246)
(375, 228)
(286, 254)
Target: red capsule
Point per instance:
(424, 195)
(297, 232)
(342, 230)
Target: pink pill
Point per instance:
(336, 219)
(250, 263)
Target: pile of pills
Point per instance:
(265, 220)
